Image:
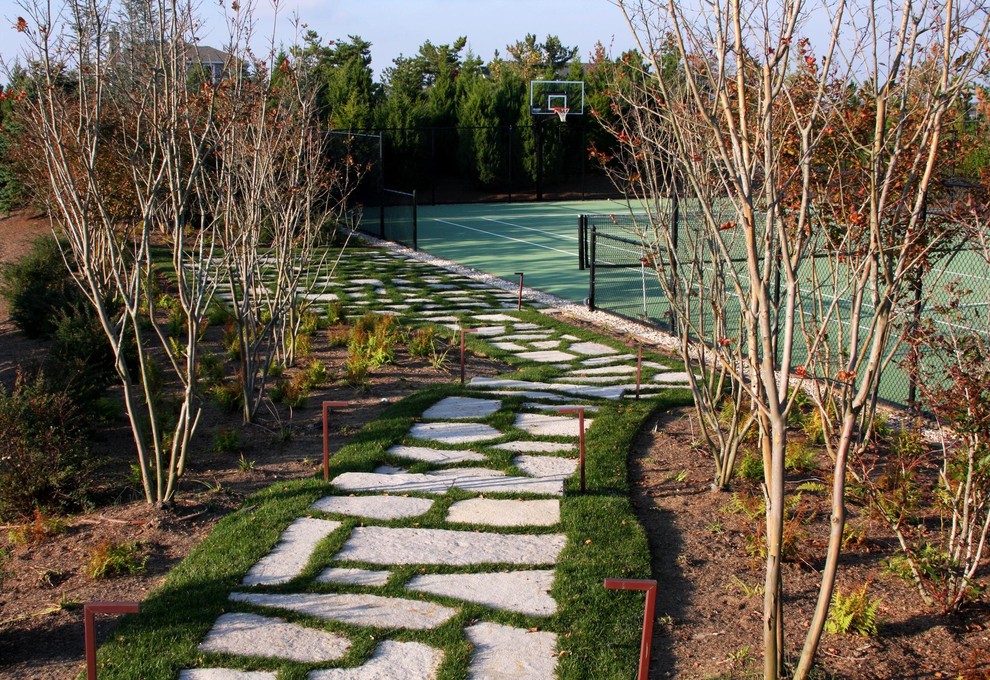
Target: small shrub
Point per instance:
(80, 360)
(37, 531)
(855, 612)
(38, 287)
(338, 336)
(356, 371)
(210, 370)
(800, 457)
(227, 440)
(303, 345)
(44, 451)
(750, 467)
(310, 322)
(228, 396)
(423, 342)
(315, 374)
(813, 428)
(217, 313)
(335, 313)
(110, 558)
(245, 465)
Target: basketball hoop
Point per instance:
(561, 112)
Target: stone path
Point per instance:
(497, 549)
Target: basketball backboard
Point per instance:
(552, 97)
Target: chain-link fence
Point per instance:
(953, 296)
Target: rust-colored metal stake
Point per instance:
(463, 331)
(519, 303)
(580, 412)
(327, 405)
(649, 612)
(639, 367)
(89, 627)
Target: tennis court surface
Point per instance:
(538, 239)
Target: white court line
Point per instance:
(538, 231)
(502, 236)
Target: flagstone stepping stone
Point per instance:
(592, 348)
(489, 331)
(367, 282)
(509, 346)
(376, 507)
(369, 611)
(441, 286)
(605, 370)
(391, 661)
(381, 545)
(437, 456)
(609, 392)
(656, 365)
(546, 356)
(454, 433)
(496, 317)
(442, 319)
(528, 337)
(535, 447)
(223, 674)
(530, 395)
(354, 577)
(319, 297)
(546, 344)
(458, 408)
(434, 312)
(572, 338)
(673, 377)
(508, 653)
(549, 426)
(505, 513)
(252, 635)
(526, 592)
(527, 326)
(594, 379)
(289, 557)
(480, 480)
(546, 466)
(588, 408)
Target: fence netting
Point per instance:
(953, 297)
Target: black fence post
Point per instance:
(582, 242)
(415, 230)
(591, 278)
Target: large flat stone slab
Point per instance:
(223, 674)
(621, 369)
(546, 356)
(535, 447)
(376, 507)
(546, 466)
(526, 592)
(609, 392)
(672, 377)
(252, 635)
(369, 611)
(437, 456)
(381, 545)
(291, 553)
(592, 349)
(454, 433)
(391, 661)
(482, 481)
(509, 347)
(505, 513)
(507, 653)
(495, 317)
(462, 408)
(543, 425)
(354, 577)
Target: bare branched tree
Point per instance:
(799, 208)
(124, 140)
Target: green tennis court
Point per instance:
(538, 239)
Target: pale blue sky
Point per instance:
(397, 27)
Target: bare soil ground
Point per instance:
(710, 597)
(709, 609)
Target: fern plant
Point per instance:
(855, 612)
